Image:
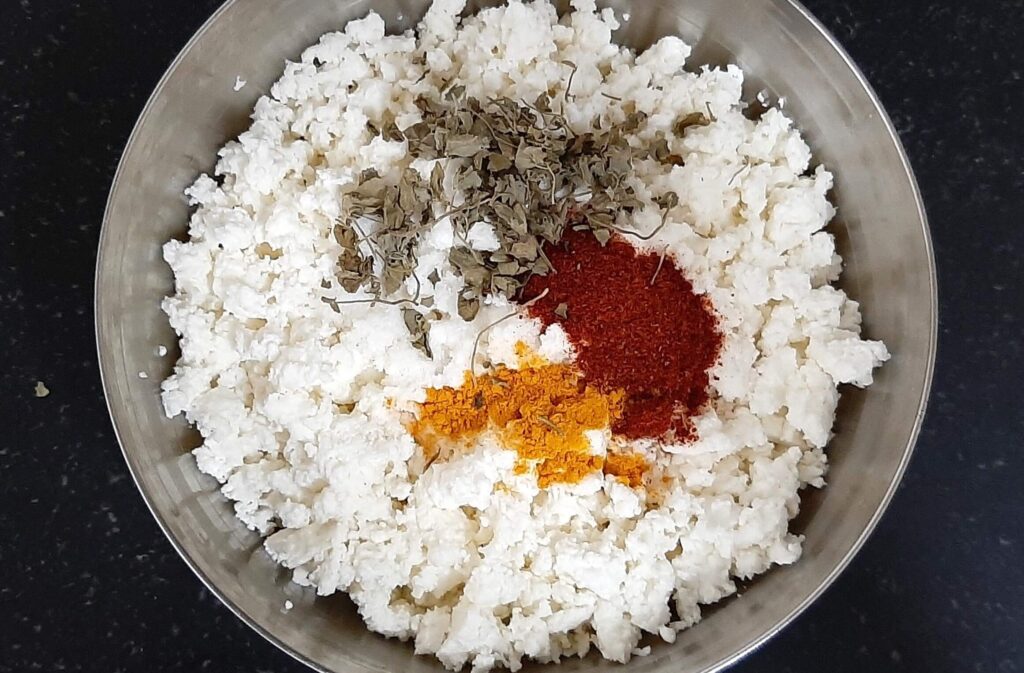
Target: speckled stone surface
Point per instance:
(88, 582)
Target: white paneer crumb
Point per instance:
(41, 390)
(301, 408)
(161, 350)
(288, 605)
(239, 84)
(143, 375)
(481, 236)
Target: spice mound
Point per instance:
(546, 414)
(638, 327)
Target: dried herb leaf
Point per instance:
(498, 162)
(689, 121)
(464, 145)
(419, 328)
(468, 306)
(668, 200)
(526, 250)
(518, 167)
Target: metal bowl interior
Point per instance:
(881, 230)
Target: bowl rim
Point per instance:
(106, 369)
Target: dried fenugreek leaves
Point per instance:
(516, 166)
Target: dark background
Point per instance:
(87, 580)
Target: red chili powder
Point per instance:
(655, 341)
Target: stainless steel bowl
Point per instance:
(881, 229)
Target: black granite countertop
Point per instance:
(89, 583)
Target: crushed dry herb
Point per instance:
(512, 164)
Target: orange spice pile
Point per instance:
(541, 411)
(628, 467)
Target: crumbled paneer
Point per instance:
(301, 407)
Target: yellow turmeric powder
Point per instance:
(628, 467)
(541, 412)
